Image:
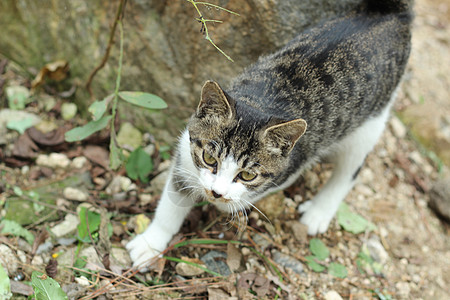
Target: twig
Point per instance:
(119, 14)
(204, 28)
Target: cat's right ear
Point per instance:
(214, 102)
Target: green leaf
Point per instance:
(17, 96)
(139, 165)
(353, 222)
(93, 219)
(14, 228)
(45, 288)
(5, 284)
(145, 100)
(80, 133)
(18, 191)
(319, 249)
(98, 108)
(20, 125)
(315, 266)
(337, 270)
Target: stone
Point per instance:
(54, 160)
(68, 110)
(78, 162)
(8, 260)
(216, 261)
(287, 261)
(119, 184)
(300, 231)
(376, 250)
(69, 225)
(159, 182)
(185, 269)
(332, 295)
(120, 257)
(129, 136)
(440, 198)
(398, 128)
(75, 194)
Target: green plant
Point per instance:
(100, 118)
(316, 261)
(46, 288)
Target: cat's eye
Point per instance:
(209, 160)
(247, 176)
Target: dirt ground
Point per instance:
(409, 251)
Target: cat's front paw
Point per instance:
(316, 217)
(142, 252)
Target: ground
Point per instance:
(406, 255)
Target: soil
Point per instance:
(408, 251)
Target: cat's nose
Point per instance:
(216, 195)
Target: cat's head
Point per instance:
(238, 151)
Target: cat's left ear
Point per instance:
(281, 138)
(214, 102)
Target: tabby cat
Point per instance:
(326, 94)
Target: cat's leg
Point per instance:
(171, 211)
(348, 157)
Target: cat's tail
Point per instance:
(389, 6)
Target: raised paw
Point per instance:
(316, 217)
(143, 254)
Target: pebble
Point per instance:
(300, 231)
(119, 184)
(440, 198)
(287, 261)
(8, 260)
(377, 250)
(398, 128)
(66, 227)
(75, 194)
(185, 269)
(83, 281)
(54, 160)
(68, 110)
(216, 261)
(78, 162)
(403, 289)
(129, 136)
(332, 295)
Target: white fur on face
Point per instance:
(222, 183)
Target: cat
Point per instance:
(326, 94)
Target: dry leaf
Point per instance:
(234, 257)
(57, 70)
(52, 138)
(24, 147)
(97, 155)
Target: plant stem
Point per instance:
(119, 13)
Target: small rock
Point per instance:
(332, 295)
(215, 261)
(398, 128)
(78, 162)
(66, 227)
(68, 110)
(272, 205)
(403, 289)
(261, 241)
(185, 269)
(54, 160)
(71, 193)
(8, 260)
(440, 198)
(287, 261)
(120, 257)
(145, 199)
(83, 281)
(119, 184)
(45, 247)
(300, 231)
(159, 182)
(129, 136)
(46, 126)
(377, 250)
